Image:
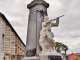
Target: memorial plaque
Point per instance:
(37, 11)
(54, 58)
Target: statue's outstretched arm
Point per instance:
(55, 24)
(57, 21)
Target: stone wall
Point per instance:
(10, 42)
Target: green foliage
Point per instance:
(60, 46)
(76, 59)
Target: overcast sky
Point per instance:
(68, 31)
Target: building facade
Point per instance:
(73, 56)
(11, 45)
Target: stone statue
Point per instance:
(46, 41)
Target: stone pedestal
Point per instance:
(50, 56)
(43, 57)
(37, 10)
(31, 58)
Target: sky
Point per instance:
(68, 31)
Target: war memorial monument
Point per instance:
(40, 44)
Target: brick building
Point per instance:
(11, 45)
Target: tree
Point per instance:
(59, 46)
(64, 48)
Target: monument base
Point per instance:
(54, 57)
(50, 56)
(31, 58)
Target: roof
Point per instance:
(73, 56)
(2, 15)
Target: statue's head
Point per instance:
(46, 18)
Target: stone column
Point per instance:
(37, 10)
